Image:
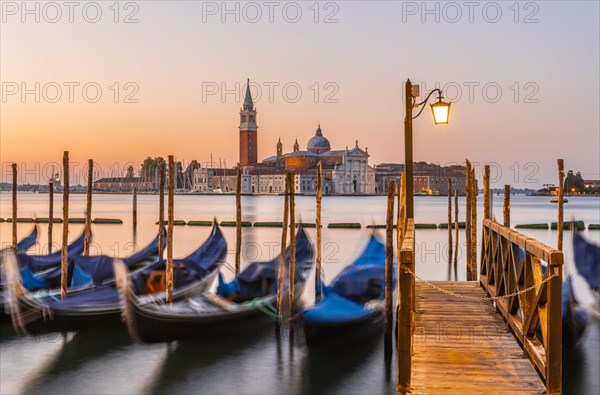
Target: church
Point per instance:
(345, 171)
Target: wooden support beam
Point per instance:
(449, 220)
(238, 218)
(468, 218)
(170, 209)
(64, 259)
(88, 209)
(281, 271)
(318, 232)
(134, 208)
(561, 202)
(455, 227)
(389, 257)
(50, 214)
(406, 316)
(292, 272)
(473, 243)
(506, 208)
(487, 208)
(161, 211)
(14, 207)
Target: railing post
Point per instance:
(554, 326)
(406, 319)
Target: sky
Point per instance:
(117, 82)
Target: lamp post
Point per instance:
(440, 111)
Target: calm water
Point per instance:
(108, 362)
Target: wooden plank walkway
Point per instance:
(462, 346)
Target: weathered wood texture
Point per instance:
(561, 202)
(506, 207)
(170, 216)
(292, 268)
(50, 214)
(462, 346)
(238, 219)
(14, 206)
(468, 218)
(406, 307)
(504, 272)
(88, 209)
(161, 211)
(64, 259)
(389, 257)
(281, 270)
(318, 232)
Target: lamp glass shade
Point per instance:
(441, 112)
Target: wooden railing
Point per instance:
(529, 300)
(406, 310)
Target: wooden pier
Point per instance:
(501, 334)
(463, 347)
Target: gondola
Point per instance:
(37, 263)
(352, 307)
(28, 241)
(99, 305)
(22, 246)
(244, 304)
(574, 317)
(587, 262)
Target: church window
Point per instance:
(243, 118)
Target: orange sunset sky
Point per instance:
(546, 73)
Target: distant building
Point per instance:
(345, 171)
(123, 184)
(591, 186)
(428, 179)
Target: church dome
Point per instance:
(318, 143)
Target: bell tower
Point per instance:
(279, 148)
(248, 130)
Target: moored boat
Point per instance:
(97, 304)
(352, 307)
(245, 303)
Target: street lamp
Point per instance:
(441, 114)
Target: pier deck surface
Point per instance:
(462, 346)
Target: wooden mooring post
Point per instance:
(64, 259)
(238, 218)
(473, 245)
(561, 201)
(50, 214)
(455, 228)
(14, 207)
(281, 271)
(134, 208)
(389, 257)
(88, 209)
(161, 211)
(506, 207)
(487, 208)
(170, 207)
(449, 220)
(292, 272)
(468, 218)
(319, 197)
(401, 215)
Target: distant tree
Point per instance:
(189, 172)
(150, 167)
(130, 172)
(574, 182)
